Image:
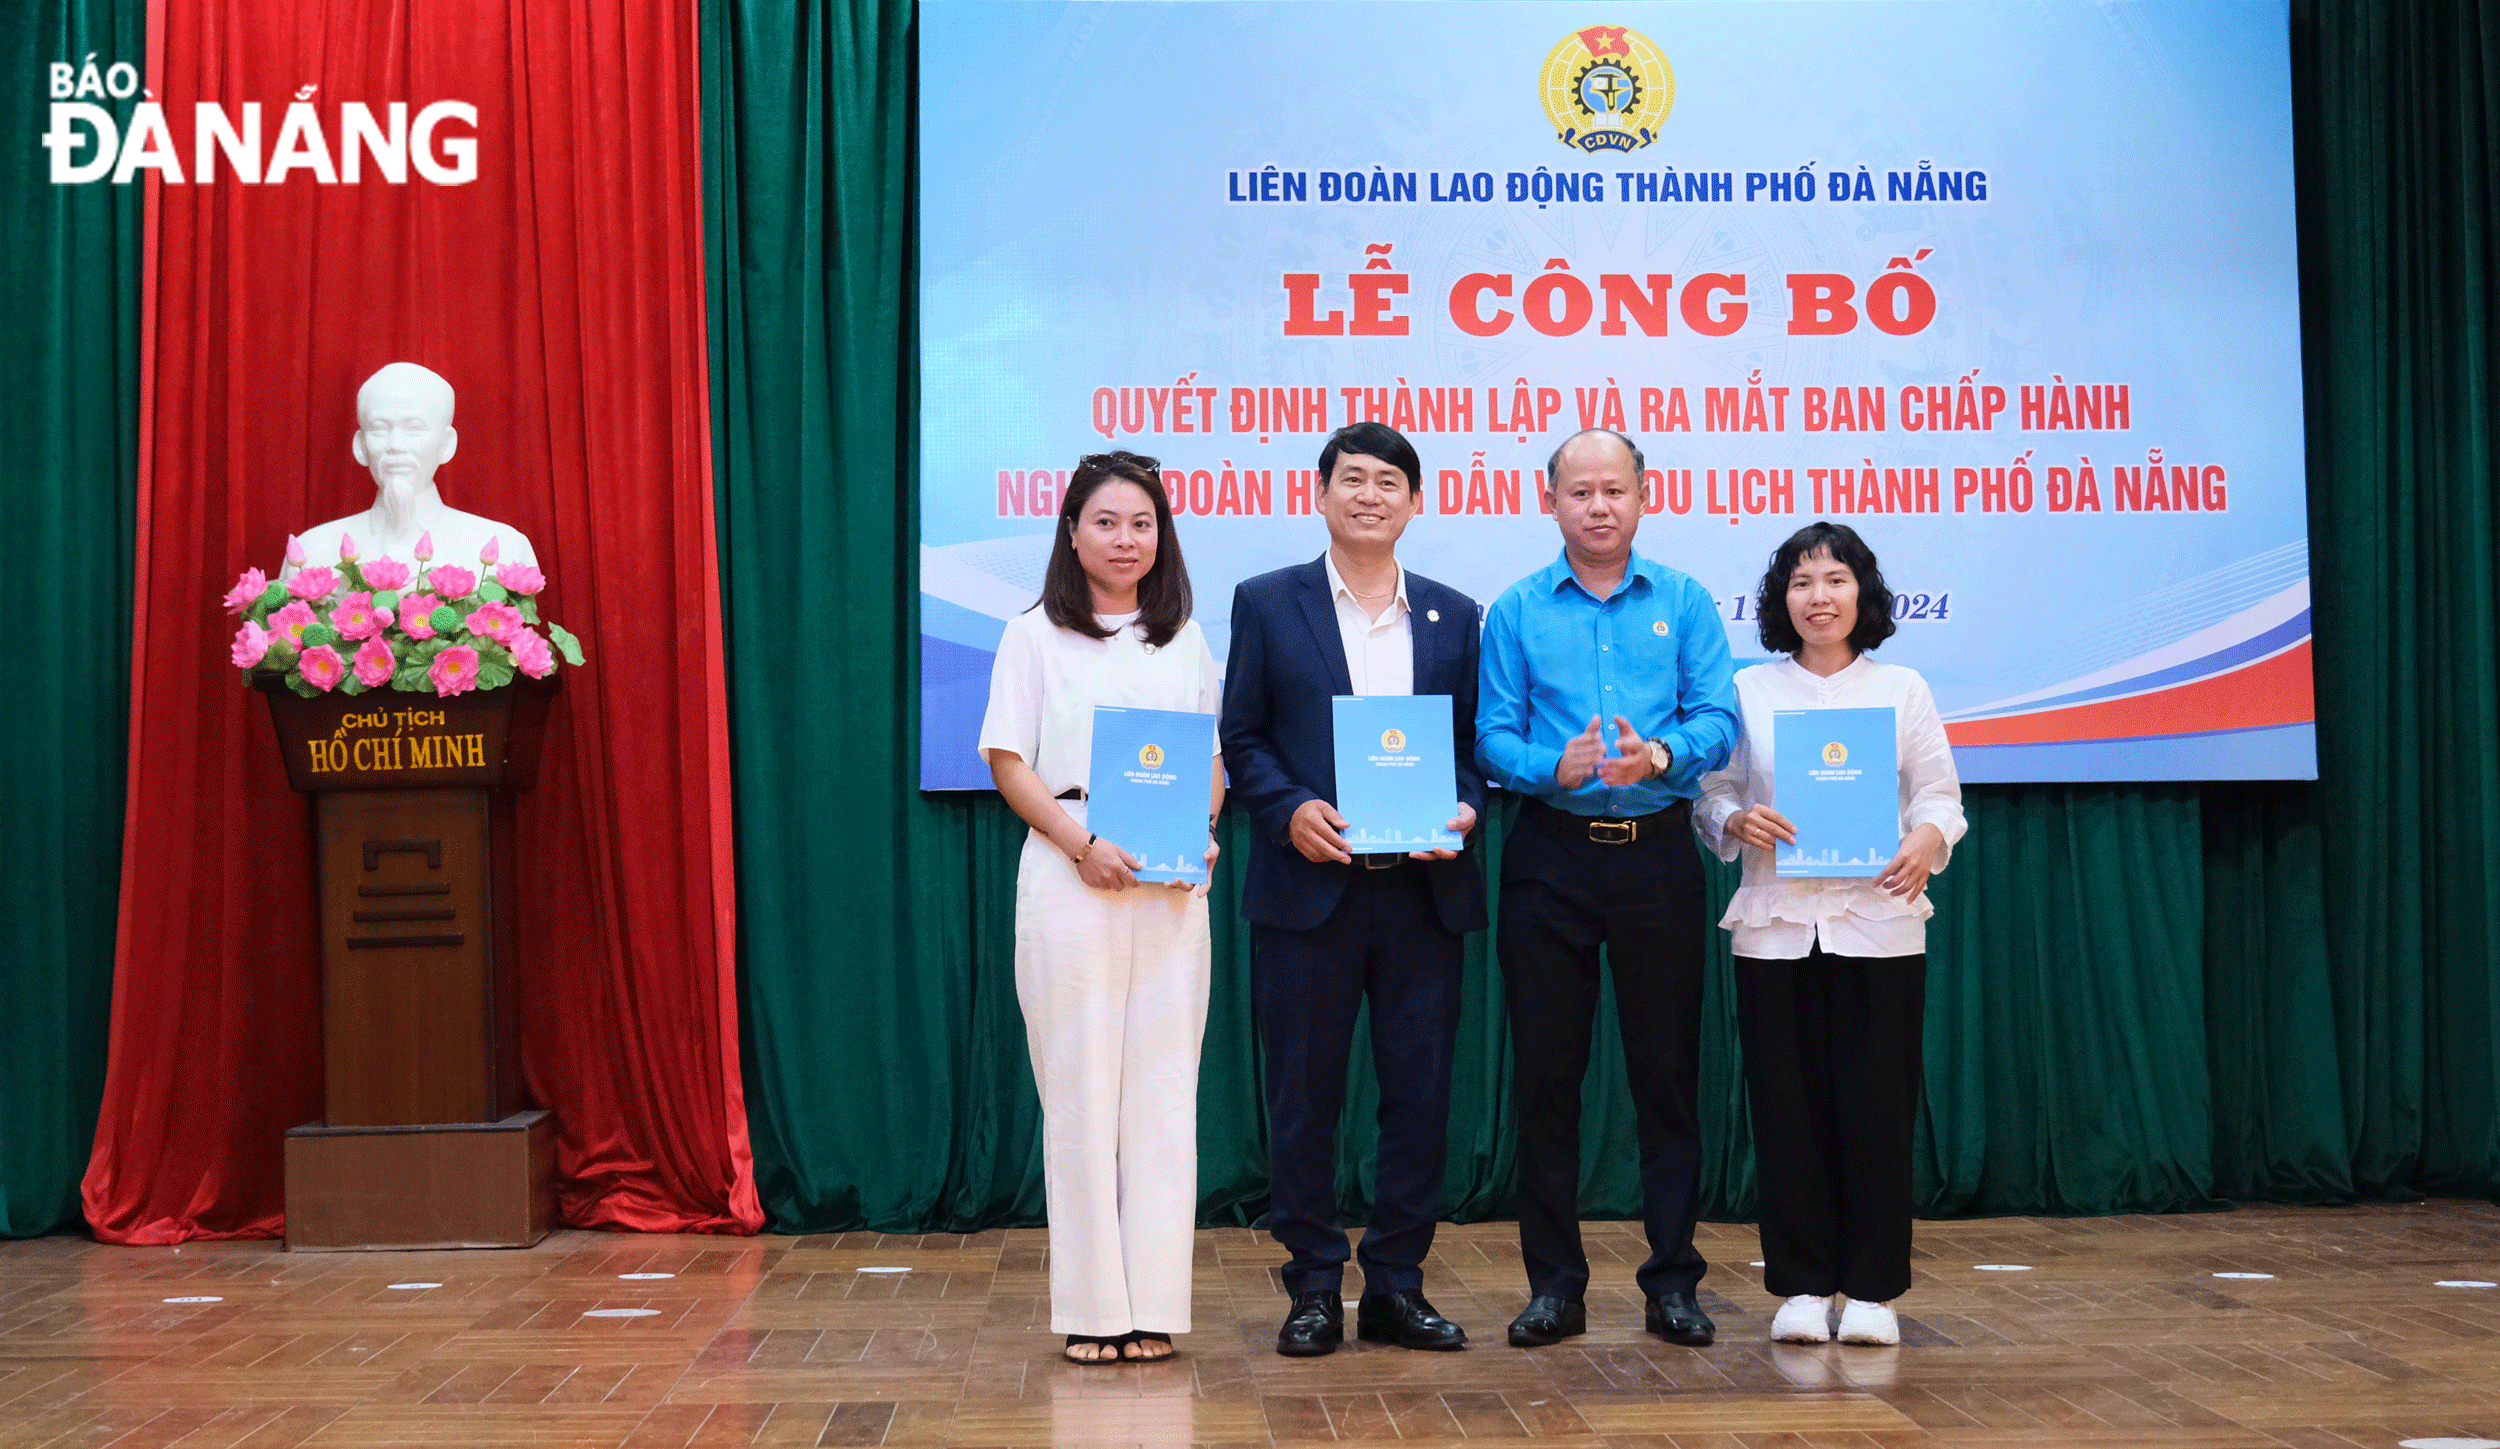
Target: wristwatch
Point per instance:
(1661, 758)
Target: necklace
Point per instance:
(1348, 584)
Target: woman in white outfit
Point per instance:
(1831, 972)
(1111, 973)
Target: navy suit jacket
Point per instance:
(1279, 734)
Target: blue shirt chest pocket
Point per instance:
(1561, 650)
(1649, 643)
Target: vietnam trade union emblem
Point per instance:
(1835, 753)
(1151, 757)
(1394, 741)
(1607, 88)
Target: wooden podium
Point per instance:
(426, 1139)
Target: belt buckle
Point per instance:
(1614, 832)
(1379, 862)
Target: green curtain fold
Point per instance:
(2066, 1058)
(69, 408)
(2277, 1068)
(883, 1052)
(2396, 127)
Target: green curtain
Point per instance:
(2066, 1059)
(2397, 125)
(69, 369)
(884, 1053)
(2142, 997)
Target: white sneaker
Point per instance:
(1863, 1322)
(1803, 1319)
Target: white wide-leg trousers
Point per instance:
(1114, 990)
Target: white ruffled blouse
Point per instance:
(1775, 919)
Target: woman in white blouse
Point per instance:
(1112, 974)
(1831, 972)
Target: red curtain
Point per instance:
(561, 292)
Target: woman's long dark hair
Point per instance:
(1163, 598)
(1779, 632)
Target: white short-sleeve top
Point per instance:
(1774, 919)
(1047, 681)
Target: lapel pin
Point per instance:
(1658, 627)
(1432, 616)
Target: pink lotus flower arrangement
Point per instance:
(314, 583)
(355, 617)
(499, 622)
(246, 591)
(375, 664)
(385, 574)
(250, 643)
(366, 624)
(416, 615)
(320, 668)
(291, 623)
(455, 670)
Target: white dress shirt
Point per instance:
(1046, 681)
(1776, 919)
(1379, 653)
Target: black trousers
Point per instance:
(1384, 941)
(1563, 896)
(1832, 1070)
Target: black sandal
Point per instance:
(1112, 1343)
(1143, 1335)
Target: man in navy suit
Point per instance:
(1330, 928)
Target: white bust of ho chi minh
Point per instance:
(404, 433)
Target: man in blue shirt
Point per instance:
(1606, 695)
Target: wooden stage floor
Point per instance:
(2119, 1333)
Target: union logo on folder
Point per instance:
(1842, 795)
(1397, 780)
(1155, 809)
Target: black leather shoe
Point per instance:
(1406, 1320)
(1676, 1317)
(1315, 1326)
(1548, 1320)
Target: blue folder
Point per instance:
(1838, 780)
(1146, 788)
(1397, 773)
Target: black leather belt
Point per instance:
(1611, 829)
(1378, 862)
(1073, 792)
